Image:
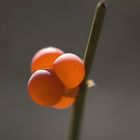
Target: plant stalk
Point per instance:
(88, 60)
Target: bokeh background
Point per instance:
(112, 109)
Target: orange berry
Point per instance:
(44, 58)
(70, 69)
(45, 88)
(68, 99)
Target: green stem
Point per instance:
(88, 60)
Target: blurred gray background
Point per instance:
(112, 109)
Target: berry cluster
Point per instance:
(55, 78)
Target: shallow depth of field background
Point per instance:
(112, 109)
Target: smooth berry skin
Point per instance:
(70, 69)
(68, 99)
(45, 88)
(44, 58)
